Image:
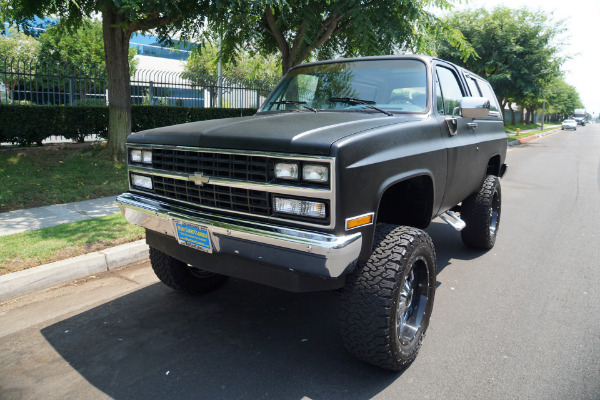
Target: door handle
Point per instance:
(471, 125)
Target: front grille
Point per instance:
(217, 165)
(221, 197)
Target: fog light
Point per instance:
(302, 208)
(287, 171)
(136, 155)
(141, 181)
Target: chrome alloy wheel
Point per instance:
(494, 214)
(412, 302)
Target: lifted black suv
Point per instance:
(328, 186)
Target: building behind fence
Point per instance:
(32, 82)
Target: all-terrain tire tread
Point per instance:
(475, 213)
(368, 299)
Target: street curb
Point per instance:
(46, 276)
(532, 137)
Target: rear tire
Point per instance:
(181, 277)
(481, 212)
(387, 302)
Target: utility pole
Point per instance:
(220, 77)
(543, 112)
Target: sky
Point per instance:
(583, 38)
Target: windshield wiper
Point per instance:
(366, 103)
(298, 102)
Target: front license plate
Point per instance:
(193, 236)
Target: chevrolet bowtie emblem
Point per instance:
(199, 179)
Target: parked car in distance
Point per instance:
(569, 124)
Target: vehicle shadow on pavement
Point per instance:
(244, 341)
(449, 246)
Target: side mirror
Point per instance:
(474, 107)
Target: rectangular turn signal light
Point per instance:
(359, 221)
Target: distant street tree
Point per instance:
(204, 60)
(83, 46)
(562, 99)
(201, 68)
(517, 50)
(18, 45)
(321, 29)
(120, 19)
(17, 52)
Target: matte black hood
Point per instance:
(292, 132)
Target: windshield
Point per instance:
(392, 85)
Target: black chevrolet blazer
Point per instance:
(329, 186)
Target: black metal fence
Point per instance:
(32, 82)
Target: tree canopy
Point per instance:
(321, 29)
(120, 19)
(517, 50)
(242, 66)
(83, 46)
(17, 45)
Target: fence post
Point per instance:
(71, 90)
(151, 93)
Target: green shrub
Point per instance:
(26, 125)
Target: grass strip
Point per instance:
(55, 174)
(29, 249)
(527, 134)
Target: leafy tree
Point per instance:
(17, 52)
(201, 68)
(120, 19)
(562, 99)
(242, 66)
(18, 45)
(77, 47)
(516, 50)
(299, 30)
(80, 53)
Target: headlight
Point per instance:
(136, 155)
(141, 181)
(287, 171)
(147, 157)
(303, 208)
(141, 156)
(315, 173)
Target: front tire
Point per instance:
(387, 302)
(481, 213)
(179, 276)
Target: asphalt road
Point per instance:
(521, 321)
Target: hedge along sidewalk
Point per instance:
(32, 124)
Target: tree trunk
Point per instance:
(512, 113)
(116, 51)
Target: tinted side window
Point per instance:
(488, 93)
(451, 91)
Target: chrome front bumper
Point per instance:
(293, 249)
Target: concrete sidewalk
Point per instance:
(45, 276)
(43, 217)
